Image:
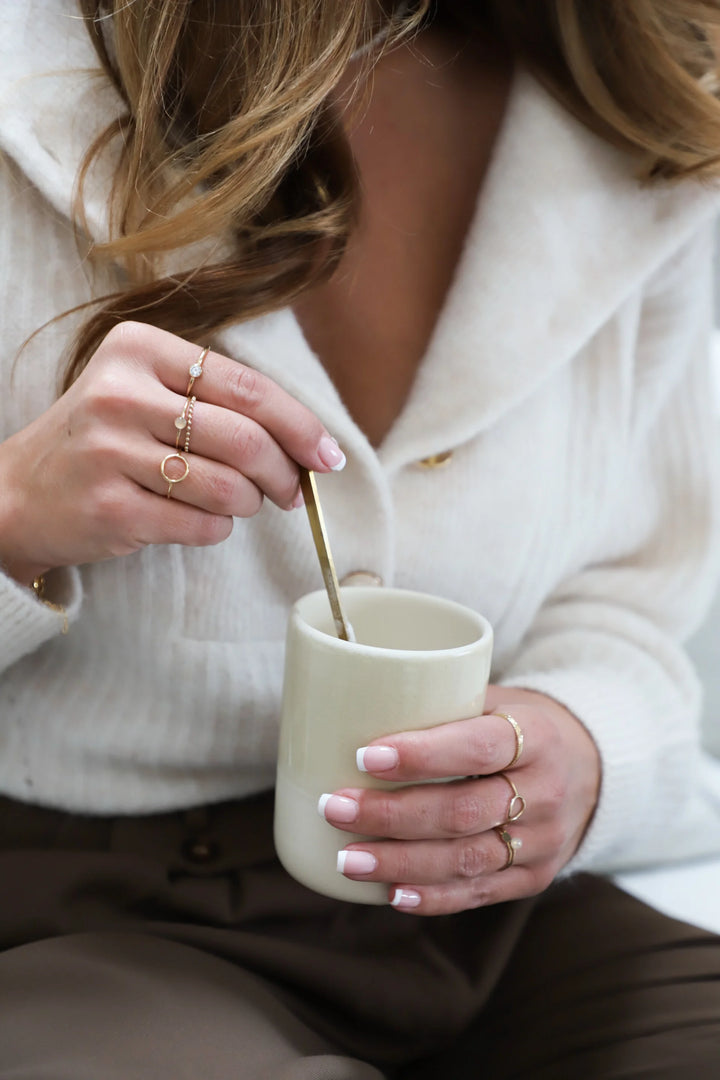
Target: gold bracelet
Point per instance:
(39, 590)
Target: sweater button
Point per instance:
(435, 461)
(200, 851)
(361, 577)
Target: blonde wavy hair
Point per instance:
(229, 132)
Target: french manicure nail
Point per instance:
(356, 862)
(405, 898)
(330, 454)
(338, 808)
(376, 758)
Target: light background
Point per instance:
(705, 645)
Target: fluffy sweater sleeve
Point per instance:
(33, 289)
(606, 643)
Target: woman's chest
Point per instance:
(422, 148)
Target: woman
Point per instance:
(440, 238)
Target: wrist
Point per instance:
(25, 573)
(17, 527)
(38, 587)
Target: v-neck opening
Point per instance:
(431, 347)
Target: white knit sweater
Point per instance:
(568, 374)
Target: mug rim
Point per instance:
(484, 628)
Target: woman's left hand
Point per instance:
(439, 847)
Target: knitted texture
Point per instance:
(568, 373)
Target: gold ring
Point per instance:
(510, 843)
(519, 737)
(195, 370)
(183, 423)
(190, 411)
(516, 809)
(170, 480)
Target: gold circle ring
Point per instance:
(517, 805)
(171, 481)
(512, 845)
(519, 737)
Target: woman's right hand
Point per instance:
(82, 482)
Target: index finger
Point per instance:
(479, 746)
(235, 386)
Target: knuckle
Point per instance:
(222, 488)
(481, 893)
(247, 387)
(463, 814)
(102, 455)
(418, 752)
(403, 867)
(128, 338)
(387, 812)
(470, 861)
(247, 442)
(484, 749)
(112, 516)
(110, 397)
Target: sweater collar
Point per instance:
(53, 102)
(562, 234)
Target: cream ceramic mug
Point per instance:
(418, 661)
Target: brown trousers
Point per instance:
(176, 948)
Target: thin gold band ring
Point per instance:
(517, 805)
(519, 737)
(512, 844)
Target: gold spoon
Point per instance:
(319, 532)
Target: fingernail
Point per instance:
(298, 501)
(330, 454)
(338, 808)
(376, 758)
(405, 898)
(356, 862)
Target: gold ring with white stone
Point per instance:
(511, 843)
(183, 423)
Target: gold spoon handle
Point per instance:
(317, 527)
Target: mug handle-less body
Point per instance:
(419, 660)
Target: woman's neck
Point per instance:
(422, 143)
